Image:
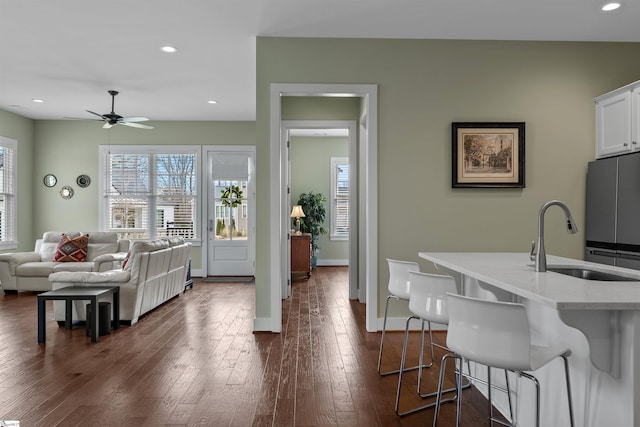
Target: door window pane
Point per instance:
(230, 198)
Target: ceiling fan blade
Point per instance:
(133, 119)
(107, 125)
(99, 115)
(136, 125)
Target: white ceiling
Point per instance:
(70, 52)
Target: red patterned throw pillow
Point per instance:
(72, 249)
(126, 260)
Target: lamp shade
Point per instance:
(297, 212)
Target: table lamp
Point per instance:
(297, 213)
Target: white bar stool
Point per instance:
(398, 288)
(427, 303)
(497, 334)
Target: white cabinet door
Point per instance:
(613, 124)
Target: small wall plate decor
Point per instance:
(83, 181)
(66, 192)
(50, 180)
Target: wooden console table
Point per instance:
(301, 254)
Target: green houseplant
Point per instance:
(313, 220)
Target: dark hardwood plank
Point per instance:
(196, 362)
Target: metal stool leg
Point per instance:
(384, 329)
(403, 370)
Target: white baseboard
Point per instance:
(333, 262)
(262, 324)
(399, 323)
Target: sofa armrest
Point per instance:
(16, 258)
(90, 277)
(106, 262)
(118, 256)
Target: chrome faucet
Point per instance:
(539, 255)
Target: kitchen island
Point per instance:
(599, 321)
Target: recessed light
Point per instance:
(169, 49)
(212, 101)
(611, 6)
(37, 100)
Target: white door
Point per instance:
(231, 213)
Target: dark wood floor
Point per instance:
(195, 361)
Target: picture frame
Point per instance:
(488, 154)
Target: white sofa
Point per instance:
(155, 272)
(29, 271)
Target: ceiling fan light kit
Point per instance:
(111, 119)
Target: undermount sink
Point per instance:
(585, 273)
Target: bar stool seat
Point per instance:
(497, 334)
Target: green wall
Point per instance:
(22, 130)
(311, 171)
(423, 86)
(70, 148)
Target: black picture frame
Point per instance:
(488, 154)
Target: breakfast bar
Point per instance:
(599, 320)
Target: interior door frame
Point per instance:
(206, 150)
(367, 193)
(350, 125)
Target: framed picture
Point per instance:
(489, 155)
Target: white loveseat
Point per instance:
(29, 271)
(154, 273)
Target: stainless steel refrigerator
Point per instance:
(613, 211)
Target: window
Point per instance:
(8, 185)
(339, 198)
(150, 192)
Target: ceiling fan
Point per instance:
(111, 119)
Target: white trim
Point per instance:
(333, 262)
(278, 200)
(11, 219)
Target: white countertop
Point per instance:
(515, 273)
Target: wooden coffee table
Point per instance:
(83, 293)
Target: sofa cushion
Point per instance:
(174, 240)
(50, 241)
(101, 243)
(35, 269)
(73, 266)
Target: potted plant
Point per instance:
(313, 220)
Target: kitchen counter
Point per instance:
(515, 273)
(599, 321)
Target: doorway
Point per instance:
(319, 129)
(367, 197)
(230, 211)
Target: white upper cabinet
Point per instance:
(618, 121)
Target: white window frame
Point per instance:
(103, 203)
(334, 234)
(9, 188)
